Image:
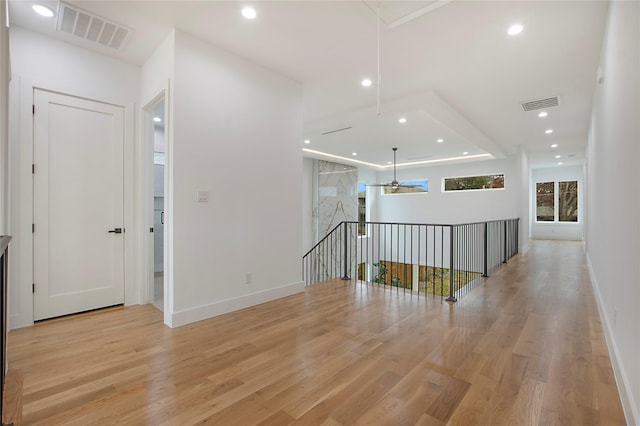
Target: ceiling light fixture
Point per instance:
(402, 120)
(366, 82)
(543, 114)
(157, 119)
(558, 156)
(560, 163)
(515, 29)
(555, 145)
(440, 140)
(42, 10)
(354, 153)
(307, 141)
(465, 153)
(548, 131)
(249, 12)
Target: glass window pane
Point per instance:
(545, 202)
(408, 187)
(568, 201)
(474, 182)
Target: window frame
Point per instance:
(408, 182)
(452, 191)
(556, 202)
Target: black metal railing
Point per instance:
(439, 259)
(4, 262)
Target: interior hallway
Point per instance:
(524, 348)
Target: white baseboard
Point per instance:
(631, 413)
(197, 313)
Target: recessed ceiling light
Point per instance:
(354, 153)
(249, 12)
(548, 131)
(42, 10)
(555, 145)
(366, 82)
(440, 140)
(402, 120)
(543, 114)
(465, 153)
(515, 29)
(307, 141)
(560, 163)
(558, 156)
(389, 162)
(157, 119)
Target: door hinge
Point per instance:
(33, 227)
(33, 288)
(33, 109)
(150, 229)
(33, 168)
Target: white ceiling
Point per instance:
(448, 67)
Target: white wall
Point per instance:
(437, 206)
(557, 230)
(237, 129)
(524, 199)
(613, 199)
(38, 61)
(5, 72)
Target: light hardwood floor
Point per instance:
(524, 348)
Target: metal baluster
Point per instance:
(451, 297)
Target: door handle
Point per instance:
(116, 231)
(162, 217)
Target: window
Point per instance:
(362, 209)
(557, 201)
(568, 201)
(474, 182)
(545, 201)
(420, 186)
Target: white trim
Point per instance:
(187, 316)
(145, 202)
(631, 413)
(22, 219)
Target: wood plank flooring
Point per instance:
(526, 347)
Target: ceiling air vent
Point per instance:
(92, 28)
(541, 103)
(336, 130)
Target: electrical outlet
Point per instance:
(247, 278)
(202, 196)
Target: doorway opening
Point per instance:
(157, 118)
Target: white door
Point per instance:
(78, 205)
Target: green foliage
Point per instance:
(474, 182)
(381, 276)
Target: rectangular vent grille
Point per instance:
(92, 28)
(541, 103)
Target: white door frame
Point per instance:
(145, 200)
(21, 267)
(147, 155)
